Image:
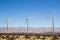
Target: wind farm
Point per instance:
(29, 19)
(29, 33)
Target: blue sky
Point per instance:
(37, 10)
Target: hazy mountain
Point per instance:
(24, 30)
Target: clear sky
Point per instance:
(39, 12)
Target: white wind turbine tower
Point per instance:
(53, 17)
(6, 28)
(27, 23)
(7, 23)
(53, 27)
(27, 27)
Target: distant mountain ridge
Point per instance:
(24, 30)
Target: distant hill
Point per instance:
(30, 30)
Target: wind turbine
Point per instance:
(7, 23)
(27, 25)
(6, 28)
(53, 27)
(53, 17)
(53, 20)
